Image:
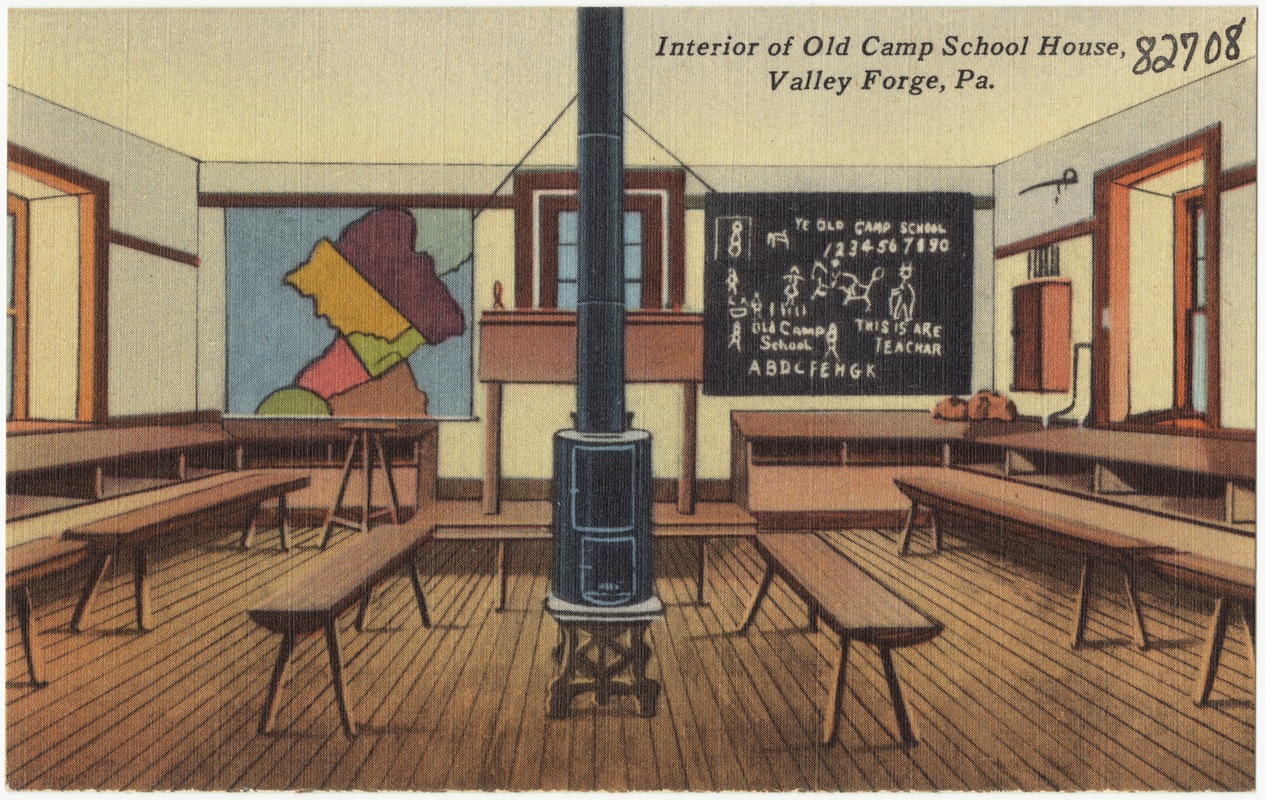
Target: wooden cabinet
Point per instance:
(1043, 336)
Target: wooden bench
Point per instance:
(1096, 531)
(851, 603)
(524, 521)
(313, 598)
(136, 530)
(1230, 585)
(23, 565)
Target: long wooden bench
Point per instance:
(136, 530)
(525, 521)
(850, 602)
(1230, 585)
(313, 598)
(1097, 532)
(24, 564)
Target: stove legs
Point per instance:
(593, 657)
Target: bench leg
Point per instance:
(90, 589)
(834, 703)
(1082, 602)
(907, 738)
(283, 522)
(812, 617)
(140, 583)
(272, 702)
(1139, 623)
(754, 605)
(30, 638)
(1212, 651)
(417, 590)
(502, 573)
(937, 531)
(248, 533)
(363, 614)
(1249, 620)
(701, 574)
(908, 532)
(339, 680)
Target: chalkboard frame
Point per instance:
(765, 234)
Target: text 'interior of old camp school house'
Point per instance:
(950, 399)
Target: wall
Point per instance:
(152, 301)
(531, 412)
(1115, 139)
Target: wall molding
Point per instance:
(473, 202)
(1074, 231)
(153, 248)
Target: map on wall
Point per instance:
(337, 312)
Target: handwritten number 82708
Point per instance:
(1162, 54)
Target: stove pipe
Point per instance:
(601, 469)
(600, 309)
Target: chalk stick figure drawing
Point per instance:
(854, 290)
(832, 341)
(775, 238)
(820, 276)
(756, 304)
(735, 338)
(731, 282)
(902, 298)
(792, 279)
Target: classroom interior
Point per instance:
(176, 205)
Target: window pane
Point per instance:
(632, 262)
(632, 294)
(568, 262)
(632, 227)
(1199, 363)
(567, 291)
(568, 227)
(1201, 273)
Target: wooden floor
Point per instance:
(998, 700)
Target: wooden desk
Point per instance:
(1110, 454)
(805, 470)
(539, 346)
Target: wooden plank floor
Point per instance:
(998, 701)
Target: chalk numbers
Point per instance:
(735, 239)
(1156, 55)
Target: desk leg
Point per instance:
(140, 580)
(90, 589)
(30, 637)
(248, 533)
(417, 591)
(328, 524)
(363, 614)
(834, 703)
(502, 573)
(283, 521)
(366, 455)
(701, 575)
(492, 451)
(689, 448)
(386, 467)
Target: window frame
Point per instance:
(659, 195)
(20, 210)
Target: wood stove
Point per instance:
(603, 592)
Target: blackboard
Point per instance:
(838, 293)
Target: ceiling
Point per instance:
(480, 85)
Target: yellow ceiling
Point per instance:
(479, 85)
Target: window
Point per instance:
(1190, 283)
(19, 227)
(547, 239)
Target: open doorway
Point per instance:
(58, 224)
(1157, 360)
